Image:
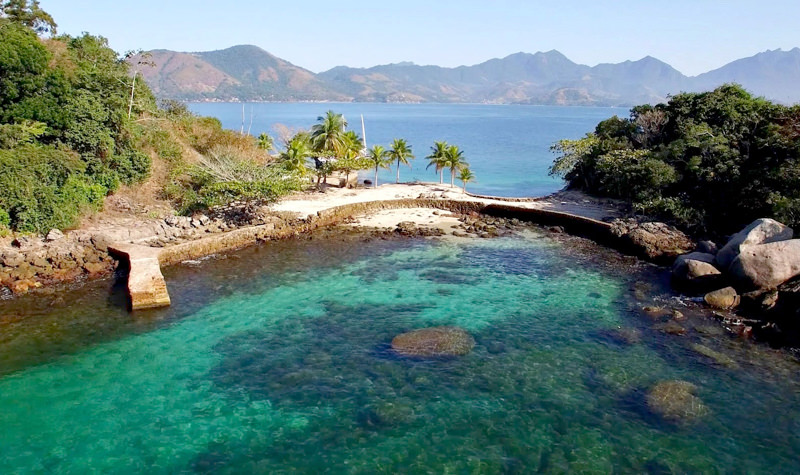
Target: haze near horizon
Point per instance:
(692, 36)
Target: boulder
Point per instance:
(675, 401)
(707, 247)
(435, 341)
(11, 258)
(726, 298)
(760, 231)
(54, 235)
(766, 266)
(657, 242)
(695, 274)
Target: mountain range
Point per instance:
(248, 73)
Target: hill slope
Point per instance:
(251, 74)
(238, 73)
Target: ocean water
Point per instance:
(275, 359)
(508, 147)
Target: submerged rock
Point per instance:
(435, 341)
(718, 358)
(760, 231)
(675, 401)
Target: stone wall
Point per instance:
(85, 256)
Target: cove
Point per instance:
(275, 359)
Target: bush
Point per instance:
(43, 188)
(132, 166)
(712, 161)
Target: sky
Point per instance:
(694, 36)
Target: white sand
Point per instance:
(310, 203)
(427, 217)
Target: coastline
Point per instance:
(57, 261)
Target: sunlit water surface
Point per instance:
(276, 360)
(507, 147)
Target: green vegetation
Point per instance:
(710, 162)
(455, 161)
(75, 126)
(466, 176)
(379, 157)
(400, 153)
(437, 158)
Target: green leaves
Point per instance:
(710, 161)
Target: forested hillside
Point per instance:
(76, 125)
(712, 162)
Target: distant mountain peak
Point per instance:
(248, 72)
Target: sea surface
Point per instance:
(507, 147)
(276, 359)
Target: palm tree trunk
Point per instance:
(465, 188)
(452, 177)
(398, 171)
(441, 176)
(375, 185)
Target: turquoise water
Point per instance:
(275, 360)
(508, 147)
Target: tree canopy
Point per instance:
(710, 161)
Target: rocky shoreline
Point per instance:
(59, 261)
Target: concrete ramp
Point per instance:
(146, 285)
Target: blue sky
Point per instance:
(694, 36)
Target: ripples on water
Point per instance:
(276, 360)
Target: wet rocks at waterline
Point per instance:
(754, 268)
(658, 242)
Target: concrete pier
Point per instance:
(146, 285)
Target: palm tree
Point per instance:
(295, 155)
(436, 158)
(265, 142)
(379, 158)
(352, 157)
(327, 136)
(454, 160)
(400, 152)
(466, 176)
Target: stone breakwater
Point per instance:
(33, 263)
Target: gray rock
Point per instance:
(766, 266)
(693, 256)
(707, 247)
(657, 242)
(172, 220)
(760, 231)
(11, 258)
(694, 273)
(726, 298)
(26, 243)
(54, 235)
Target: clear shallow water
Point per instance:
(275, 360)
(508, 147)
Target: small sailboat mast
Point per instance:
(363, 132)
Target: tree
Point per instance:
(142, 58)
(454, 160)
(265, 142)
(400, 153)
(352, 156)
(437, 159)
(466, 176)
(295, 157)
(327, 137)
(379, 159)
(29, 14)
